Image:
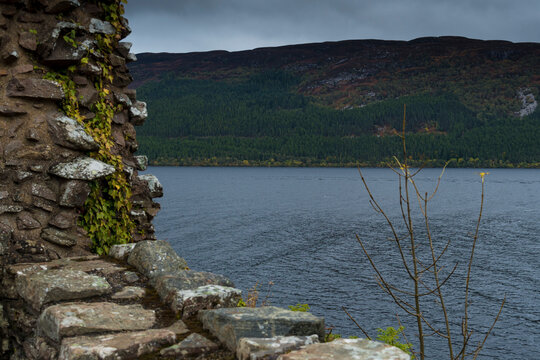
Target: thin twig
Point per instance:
(354, 321)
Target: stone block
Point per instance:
(192, 346)
(28, 41)
(231, 324)
(35, 89)
(63, 219)
(11, 111)
(351, 349)
(187, 303)
(75, 319)
(82, 168)
(70, 133)
(22, 69)
(63, 54)
(87, 96)
(154, 186)
(121, 252)
(131, 345)
(122, 99)
(138, 113)
(124, 47)
(60, 237)
(101, 27)
(166, 285)
(129, 293)
(179, 328)
(155, 258)
(42, 287)
(10, 209)
(142, 162)
(74, 193)
(43, 191)
(60, 6)
(25, 221)
(271, 348)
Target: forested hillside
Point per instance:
(337, 104)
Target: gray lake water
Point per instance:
(296, 227)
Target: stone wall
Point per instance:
(45, 168)
(57, 56)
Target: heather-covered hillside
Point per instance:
(341, 103)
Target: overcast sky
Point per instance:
(203, 25)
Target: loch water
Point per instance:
(297, 227)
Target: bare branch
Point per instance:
(354, 321)
(481, 345)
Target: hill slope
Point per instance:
(341, 103)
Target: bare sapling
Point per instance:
(423, 273)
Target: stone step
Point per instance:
(85, 264)
(186, 303)
(271, 348)
(165, 285)
(192, 346)
(231, 324)
(351, 349)
(118, 346)
(155, 258)
(129, 293)
(42, 287)
(74, 319)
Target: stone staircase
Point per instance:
(143, 303)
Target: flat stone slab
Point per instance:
(166, 285)
(187, 303)
(129, 293)
(121, 252)
(35, 89)
(179, 328)
(83, 168)
(155, 258)
(351, 349)
(86, 264)
(70, 133)
(193, 345)
(131, 345)
(74, 319)
(229, 325)
(271, 348)
(46, 286)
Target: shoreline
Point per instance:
(451, 165)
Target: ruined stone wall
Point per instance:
(46, 165)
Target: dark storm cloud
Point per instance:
(200, 25)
